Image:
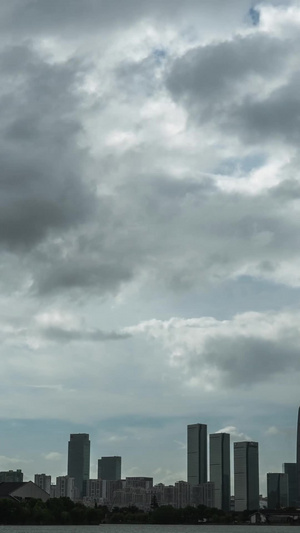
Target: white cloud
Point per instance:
(272, 430)
(234, 433)
(242, 351)
(53, 456)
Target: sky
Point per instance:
(149, 229)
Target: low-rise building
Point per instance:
(22, 490)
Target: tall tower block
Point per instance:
(219, 454)
(246, 478)
(79, 460)
(197, 454)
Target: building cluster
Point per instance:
(246, 476)
(207, 484)
(283, 488)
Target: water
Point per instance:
(133, 528)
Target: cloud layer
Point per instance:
(149, 170)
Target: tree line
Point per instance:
(63, 511)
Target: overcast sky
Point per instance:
(149, 229)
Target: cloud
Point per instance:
(241, 352)
(59, 326)
(69, 335)
(42, 190)
(199, 233)
(81, 232)
(210, 78)
(149, 169)
(235, 433)
(53, 456)
(117, 438)
(82, 20)
(270, 119)
(272, 430)
(242, 87)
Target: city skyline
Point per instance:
(149, 229)
(244, 479)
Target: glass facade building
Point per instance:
(219, 453)
(291, 470)
(79, 460)
(197, 454)
(109, 468)
(246, 477)
(278, 491)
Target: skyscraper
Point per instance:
(298, 458)
(219, 453)
(246, 480)
(291, 470)
(197, 454)
(109, 468)
(79, 460)
(278, 491)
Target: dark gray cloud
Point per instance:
(287, 190)
(245, 361)
(183, 233)
(208, 74)
(275, 118)
(71, 16)
(226, 84)
(43, 190)
(93, 270)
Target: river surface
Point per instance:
(128, 528)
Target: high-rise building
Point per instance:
(298, 458)
(278, 490)
(197, 454)
(109, 468)
(79, 460)
(11, 476)
(43, 481)
(291, 470)
(65, 487)
(246, 477)
(219, 453)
